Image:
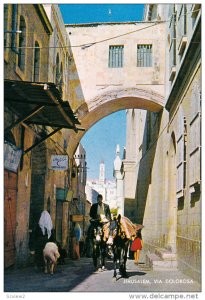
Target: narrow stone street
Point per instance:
(102, 140)
(80, 276)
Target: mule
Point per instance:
(120, 248)
(99, 246)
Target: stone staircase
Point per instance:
(162, 259)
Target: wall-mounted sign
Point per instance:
(59, 162)
(77, 218)
(12, 156)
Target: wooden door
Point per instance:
(10, 195)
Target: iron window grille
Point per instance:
(144, 55)
(116, 54)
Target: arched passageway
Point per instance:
(108, 103)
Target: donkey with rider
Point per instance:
(109, 235)
(99, 230)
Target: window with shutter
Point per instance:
(195, 135)
(182, 28)
(172, 45)
(181, 156)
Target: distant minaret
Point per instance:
(119, 176)
(118, 150)
(102, 173)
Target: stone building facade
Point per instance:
(164, 150)
(17, 66)
(34, 114)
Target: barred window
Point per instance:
(144, 55)
(116, 56)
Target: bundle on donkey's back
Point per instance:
(123, 229)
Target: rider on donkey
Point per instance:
(100, 212)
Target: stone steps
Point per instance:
(165, 254)
(162, 260)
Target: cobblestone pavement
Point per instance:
(80, 276)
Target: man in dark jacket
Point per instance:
(101, 212)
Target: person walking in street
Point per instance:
(101, 212)
(76, 236)
(136, 246)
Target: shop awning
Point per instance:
(39, 104)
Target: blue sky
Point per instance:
(88, 13)
(101, 140)
(100, 143)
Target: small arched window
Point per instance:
(59, 74)
(36, 69)
(57, 70)
(22, 44)
(61, 80)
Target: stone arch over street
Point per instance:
(111, 102)
(97, 88)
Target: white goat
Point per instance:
(50, 255)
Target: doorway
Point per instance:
(10, 196)
(172, 200)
